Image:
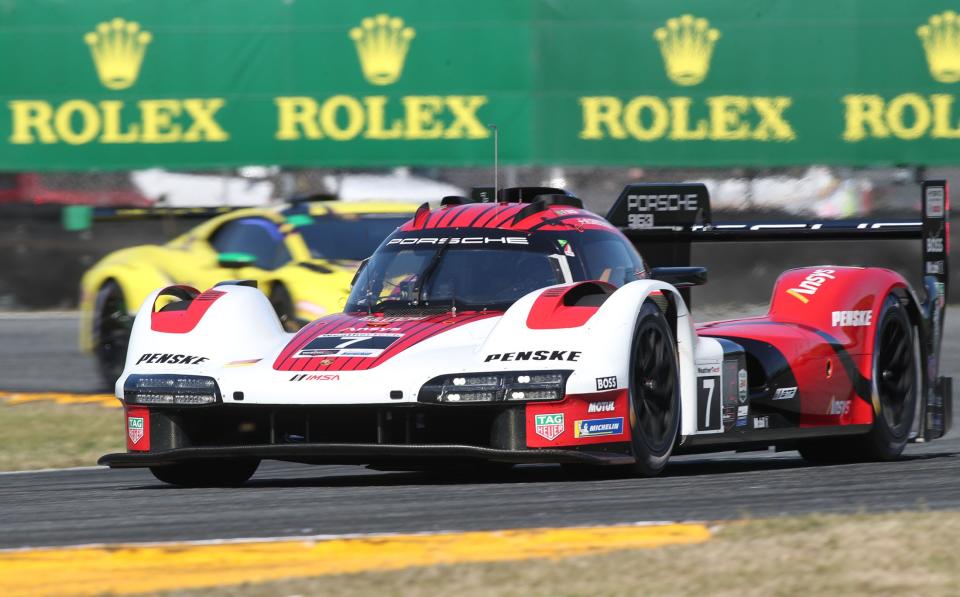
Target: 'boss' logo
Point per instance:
(607, 383)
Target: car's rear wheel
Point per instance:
(112, 324)
(206, 473)
(283, 304)
(654, 392)
(896, 386)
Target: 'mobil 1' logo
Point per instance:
(909, 116)
(382, 43)
(117, 47)
(686, 45)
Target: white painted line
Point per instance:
(55, 470)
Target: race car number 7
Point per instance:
(353, 341)
(708, 406)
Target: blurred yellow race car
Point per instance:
(302, 255)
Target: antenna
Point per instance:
(496, 159)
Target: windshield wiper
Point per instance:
(428, 271)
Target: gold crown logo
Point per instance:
(117, 47)
(382, 42)
(687, 45)
(941, 43)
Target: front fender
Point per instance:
(602, 342)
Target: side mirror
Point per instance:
(681, 277)
(235, 260)
(356, 274)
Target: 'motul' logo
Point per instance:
(687, 46)
(382, 43)
(117, 48)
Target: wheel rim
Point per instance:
(895, 371)
(655, 387)
(115, 325)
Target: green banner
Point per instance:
(116, 84)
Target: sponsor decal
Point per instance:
(549, 426)
(326, 362)
(170, 359)
(534, 355)
(376, 328)
(665, 202)
(935, 202)
(742, 412)
(598, 427)
(567, 248)
(852, 319)
(838, 407)
(607, 383)
(761, 422)
(639, 221)
(374, 320)
(135, 429)
(809, 286)
(785, 393)
(466, 240)
(934, 245)
(606, 406)
(742, 386)
(934, 267)
(709, 369)
(315, 377)
(347, 345)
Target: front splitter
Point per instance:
(361, 454)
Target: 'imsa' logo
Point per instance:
(549, 427)
(135, 428)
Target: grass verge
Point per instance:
(887, 554)
(50, 435)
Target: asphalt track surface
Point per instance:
(102, 506)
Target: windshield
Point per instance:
(477, 270)
(349, 238)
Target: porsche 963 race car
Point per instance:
(529, 330)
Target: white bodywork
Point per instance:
(241, 327)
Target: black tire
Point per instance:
(111, 331)
(207, 473)
(896, 386)
(283, 304)
(654, 392)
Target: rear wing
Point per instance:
(664, 220)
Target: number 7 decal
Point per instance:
(709, 405)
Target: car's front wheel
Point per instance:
(206, 473)
(654, 391)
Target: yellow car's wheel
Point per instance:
(111, 328)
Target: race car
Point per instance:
(302, 255)
(529, 330)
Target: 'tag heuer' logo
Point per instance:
(687, 46)
(135, 428)
(549, 426)
(117, 48)
(382, 43)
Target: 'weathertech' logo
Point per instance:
(687, 45)
(117, 48)
(382, 43)
(809, 285)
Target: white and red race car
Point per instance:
(530, 330)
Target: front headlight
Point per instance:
(510, 386)
(170, 390)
